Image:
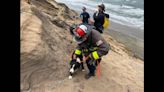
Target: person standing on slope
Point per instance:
(99, 18)
(91, 45)
(84, 16)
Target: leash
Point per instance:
(98, 69)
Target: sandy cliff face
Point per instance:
(44, 47)
(45, 51)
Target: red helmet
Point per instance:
(81, 30)
(81, 33)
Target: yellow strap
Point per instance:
(77, 52)
(95, 48)
(85, 50)
(95, 55)
(106, 23)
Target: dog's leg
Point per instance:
(71, 71)
(70, 75)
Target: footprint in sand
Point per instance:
(79, 85)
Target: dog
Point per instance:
(75, 64)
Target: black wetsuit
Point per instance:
(99, 21)
(85, 16)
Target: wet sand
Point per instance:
(132, 38)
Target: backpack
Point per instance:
(106, 21)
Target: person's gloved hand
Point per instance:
(86, 57)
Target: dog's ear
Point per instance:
(72, 61)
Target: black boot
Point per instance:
(91, 68)
(89, 75)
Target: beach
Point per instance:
(130, 35)
(132, 38)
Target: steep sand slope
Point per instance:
(45, 51)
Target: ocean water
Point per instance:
(125, 12)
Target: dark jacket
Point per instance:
(94, 45)
(99, 21)
(85, 16)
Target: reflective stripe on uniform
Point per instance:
(95, 55)
(85, 50)
(95, 48)
(77, 52)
